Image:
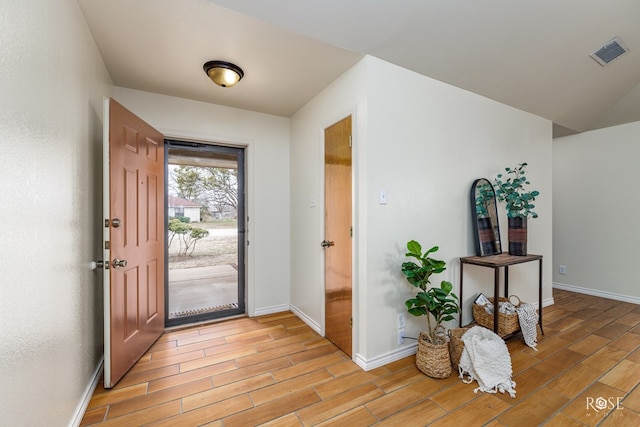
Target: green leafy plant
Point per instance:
(511, 190)
(439, 303)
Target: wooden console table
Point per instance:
(496, 262)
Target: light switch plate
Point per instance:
(382, 197)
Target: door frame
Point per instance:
(242, 229)
(356, 228)
(249, 147)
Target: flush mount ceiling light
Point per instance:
(223, 73)
(610, 51)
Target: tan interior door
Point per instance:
(338, 234)
(134, 239)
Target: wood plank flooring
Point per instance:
(275, 371)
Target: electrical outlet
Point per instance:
(401, 320)
(562, 269)
(400, 336)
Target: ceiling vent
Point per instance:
(610, 51)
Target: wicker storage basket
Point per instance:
(507, 323)
(433, 359)
(456, 345)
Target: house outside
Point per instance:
(185, 208)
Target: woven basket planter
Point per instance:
(433, 360)
(507, 323)
(456, 345)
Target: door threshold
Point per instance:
(203, 323)
(195, 311)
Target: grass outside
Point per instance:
(218, 248)
(217, 223)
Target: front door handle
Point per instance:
(119, 263)
(327, 243)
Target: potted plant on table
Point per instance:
(511, 189)
(437, 304)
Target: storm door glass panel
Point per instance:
(205, 232)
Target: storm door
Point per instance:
(205, 225)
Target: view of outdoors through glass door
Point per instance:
(205, 198)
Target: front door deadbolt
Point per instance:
(99, 264)
(115, 223)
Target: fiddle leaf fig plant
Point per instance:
(440, 303)
(510, 189)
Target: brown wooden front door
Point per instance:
(338, 234)
(134, 239)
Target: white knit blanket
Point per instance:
(528, 324)
(485, 358)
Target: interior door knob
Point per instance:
(119, 263)
(327, 243)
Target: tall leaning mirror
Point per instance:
(484, 215)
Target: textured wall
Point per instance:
(52, 83)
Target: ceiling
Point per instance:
(532, 55)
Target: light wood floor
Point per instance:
(274, 370)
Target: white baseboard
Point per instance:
(545, 302)
(271, 310)
(384, 359)
(306, 319)
(392, 356)
(290, 307)
(86, 396)
(597, 293)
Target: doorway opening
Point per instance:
(205, 225)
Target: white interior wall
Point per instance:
(427, 142)
(267, 162)
(423, 142)
(342, 98)
(53, 81)
(594, 206)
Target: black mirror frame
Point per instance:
(486, 229)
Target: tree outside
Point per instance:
(214, 240)
(216, 189)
